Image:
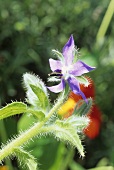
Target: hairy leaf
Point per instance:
(26, 159)
(78, 122)
(36, 91)
(12, 109)
(65, 133)
(42, 97)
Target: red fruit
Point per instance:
(93, 129)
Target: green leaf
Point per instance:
(12, 109)
(65, 133)
(36, 91)
(43, 100)
(103, 168)
(32, 164)
(60, 157)
(78, 122)
(75, 166)
(26, 159)
(29, 119)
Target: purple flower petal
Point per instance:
(55, 64)
(83, 96)
(68, 51)
(74, 85)
(80, 68)
(57, 88)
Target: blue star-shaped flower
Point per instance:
(67, 70)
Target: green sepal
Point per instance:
(75, 54)
(58, 54)
(43, 99)
(83, 80)
(25, 159)
(37, 113)
(82, 108)
(65, 92)
(12, 109)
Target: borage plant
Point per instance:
(68, 70)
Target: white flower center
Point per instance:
(65, 71)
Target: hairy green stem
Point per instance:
(27, 135)
(4, 138)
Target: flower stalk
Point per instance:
(28, 134)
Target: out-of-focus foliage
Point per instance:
(28, 31)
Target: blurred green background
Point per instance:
(29, 30)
